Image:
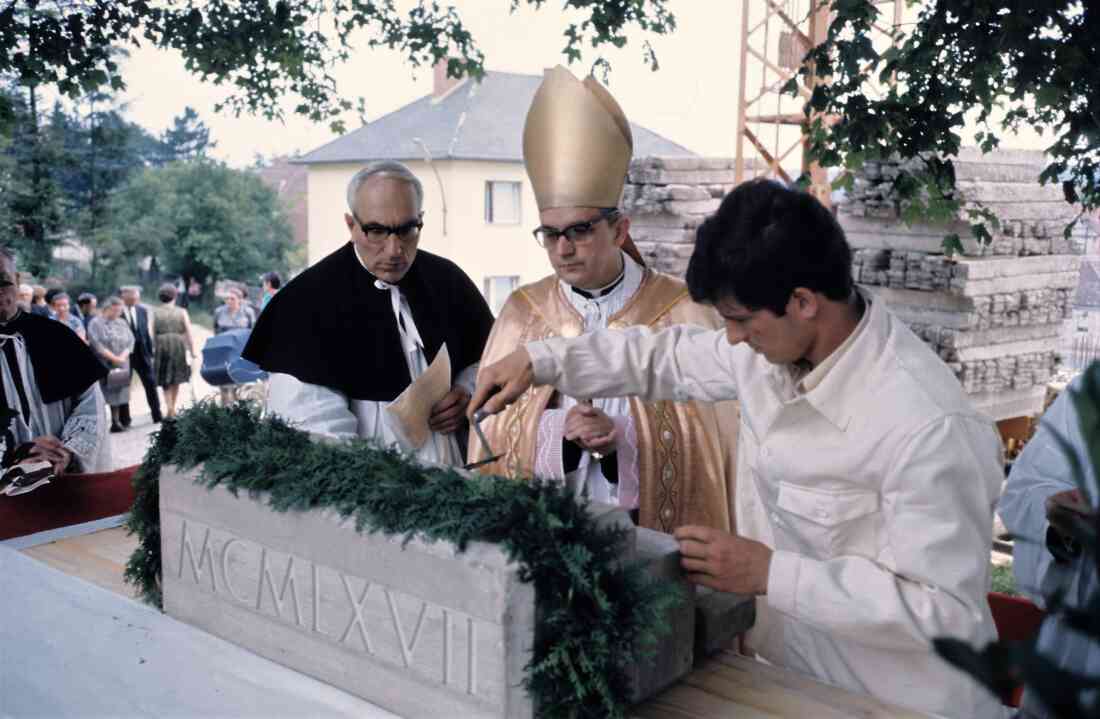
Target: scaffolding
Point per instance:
(776, 35)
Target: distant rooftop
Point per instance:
(474, 121)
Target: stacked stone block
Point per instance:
(667, 198)
(995, 313)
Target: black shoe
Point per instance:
(124, 415)
(156, 420)
(116, 427)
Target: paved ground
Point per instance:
(129, 447)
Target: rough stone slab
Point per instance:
(1007, 349)
(657, 219)
(662, 235)
(687, 192)
(418, 628)
(1019, 283)
(677, 163)
(1003, 335)
(692, 207)
(674, 654)
(1007, 404)
(716, 163)
(684, 177)
(719, 618)
(981, 268)
(900, 297)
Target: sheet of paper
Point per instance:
(409, 413)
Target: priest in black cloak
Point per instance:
(51, 406)
(348, 335)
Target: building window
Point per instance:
(497, 289)
(502, 203)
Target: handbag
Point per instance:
(118, 377)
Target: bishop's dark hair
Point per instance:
(763, 242)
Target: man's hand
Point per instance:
(591, 428)
(1062, 508)
(447, 413)
(724, 561)
(50, 449)
(501, 383)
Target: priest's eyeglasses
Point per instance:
(579, 233)
(406, 232)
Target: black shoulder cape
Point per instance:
(331, 326)
(63, 365)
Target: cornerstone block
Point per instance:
(416, 627)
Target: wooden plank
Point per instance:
(687, 702)
(99, 558)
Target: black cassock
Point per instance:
(331, 326)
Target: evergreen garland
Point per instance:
(597, 616)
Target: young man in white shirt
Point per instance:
(866, 481)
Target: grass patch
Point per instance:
(1003, 581)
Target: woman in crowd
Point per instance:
(113, 341)
(38, 302)
(173, 345)
(233, 315)
(60, 306)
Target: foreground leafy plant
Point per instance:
(596, 616)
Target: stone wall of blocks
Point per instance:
(993, 314)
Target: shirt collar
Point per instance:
(838, 390)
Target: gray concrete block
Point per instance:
(673, 656)
(417, 628)
(610, 516)
(1018, 283)
(993, 267)
(684, 177)
(677, 163)
(692, 207)
(719, 618)
(715, 163)
(688, 192)
(1006, 404)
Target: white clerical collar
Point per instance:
(625, 284)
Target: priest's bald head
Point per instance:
(385, 216)
(577, 147)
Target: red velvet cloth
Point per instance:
(72, 499)
(1017, 619)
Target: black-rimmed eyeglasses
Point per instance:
(579, 233)
(406, 231)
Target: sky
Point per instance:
(692, 99)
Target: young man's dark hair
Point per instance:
(764, 241)
(273, 279)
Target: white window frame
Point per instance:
(490, 215)
(496, 303)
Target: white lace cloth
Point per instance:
(548, 450)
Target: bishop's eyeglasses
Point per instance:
(578, 234)
(406, 232)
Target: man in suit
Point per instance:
(139, 318)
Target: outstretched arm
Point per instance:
(678, 363)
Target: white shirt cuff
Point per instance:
(783, 582)
(543, 362)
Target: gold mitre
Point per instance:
(576, 143)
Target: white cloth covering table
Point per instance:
(72, 649)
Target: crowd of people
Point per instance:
(128, 337)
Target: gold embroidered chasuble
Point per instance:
(686, 450)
